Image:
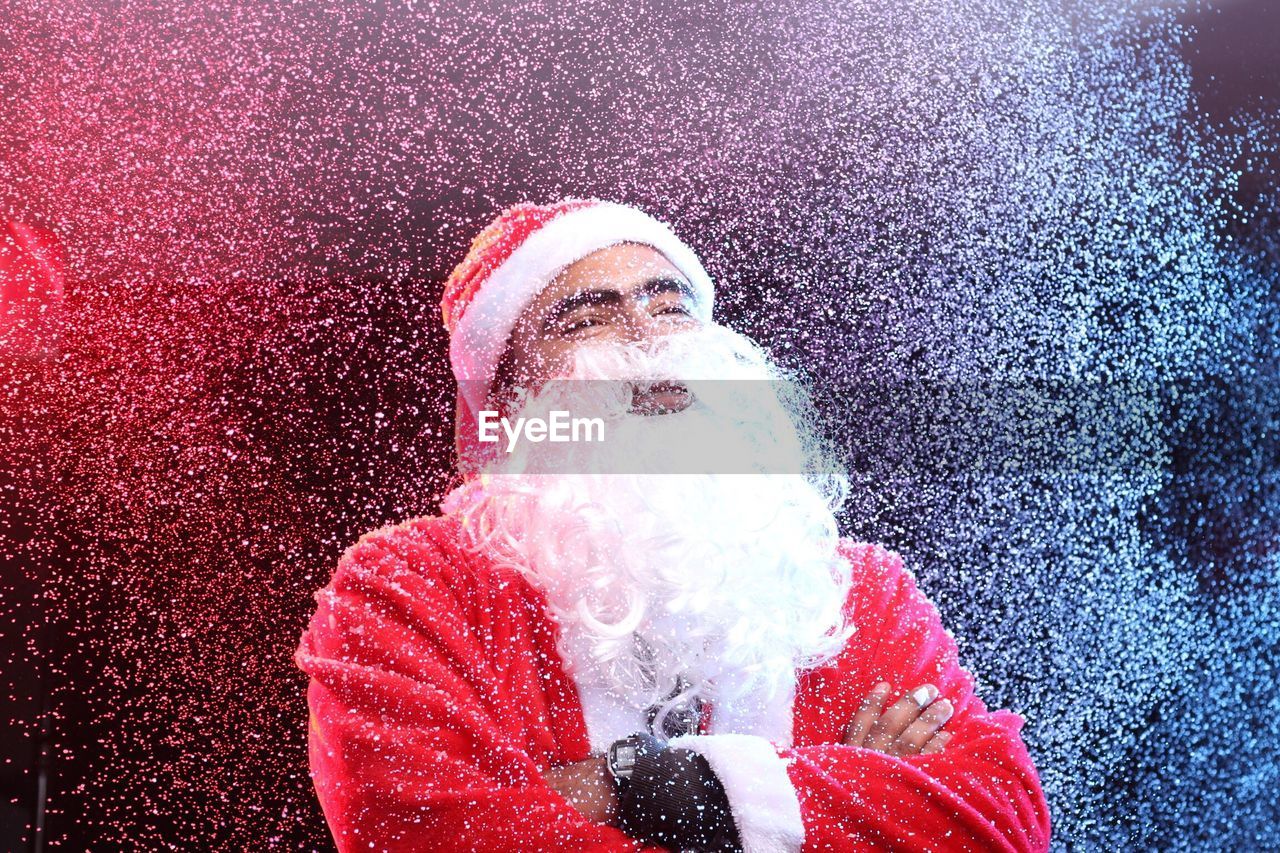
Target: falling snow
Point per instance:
(1034, 282)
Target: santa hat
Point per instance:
(518, 254)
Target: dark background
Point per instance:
(185, 467)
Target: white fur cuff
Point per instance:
(764, 803)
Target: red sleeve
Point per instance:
(412, 740)
(980, 793)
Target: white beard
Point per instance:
(730, 581)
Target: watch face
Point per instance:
(624, 758)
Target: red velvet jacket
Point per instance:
(438, 698)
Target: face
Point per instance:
(627, 292)
(693, 565)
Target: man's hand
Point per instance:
(588, 787)
(910, 727)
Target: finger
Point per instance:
(936, 743)
(868, 713)
(894, 721)
(916, 735)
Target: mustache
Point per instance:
(710, 352)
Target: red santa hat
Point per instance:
(518, 254)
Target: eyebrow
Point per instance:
(611, 296)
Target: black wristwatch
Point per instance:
(622, 755)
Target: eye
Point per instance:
(578, 325)
(678, 308)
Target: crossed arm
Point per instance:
(910, 726)
(933, 770)
(413, 744)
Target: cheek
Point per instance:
(549, 358)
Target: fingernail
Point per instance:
(882, 687)
(924, 695)
(944, 708)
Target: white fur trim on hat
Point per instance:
(765, 807)
(481, 334)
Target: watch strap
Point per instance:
(675, 800)
(645, 746)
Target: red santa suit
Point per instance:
(438, 699)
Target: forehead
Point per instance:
(618, 267)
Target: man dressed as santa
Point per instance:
(650, 634)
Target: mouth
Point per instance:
(660, 398)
